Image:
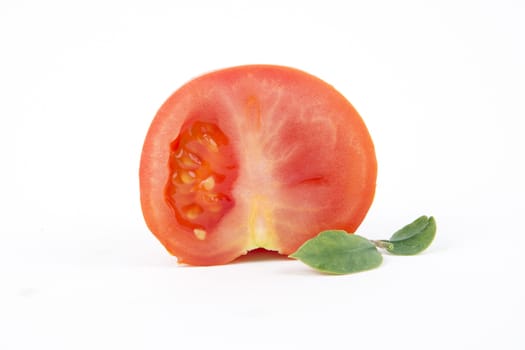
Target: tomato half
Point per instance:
(255, 156)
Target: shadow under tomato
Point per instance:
(258, 255)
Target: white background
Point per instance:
(440, 85)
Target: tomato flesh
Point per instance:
(254, 157)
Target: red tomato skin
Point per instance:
(350, 201)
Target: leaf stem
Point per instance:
(383, 244)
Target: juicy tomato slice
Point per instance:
(251, 157)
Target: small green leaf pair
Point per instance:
(337, 252)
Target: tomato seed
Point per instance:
(194, 158)
(186, 162)
(175, 177)
(192, 211)
(210, 143)
(179, 153)
(187, 177)
(199, 233)
(208, 183)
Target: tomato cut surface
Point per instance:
(254, 157)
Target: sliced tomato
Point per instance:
(251, 157)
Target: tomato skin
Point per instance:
(302, 161)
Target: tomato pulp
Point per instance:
(255, 156)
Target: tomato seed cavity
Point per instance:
(198, 188)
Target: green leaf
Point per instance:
(338, 252)
(413, 238)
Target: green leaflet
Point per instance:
(413, 238)
(338, 252)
